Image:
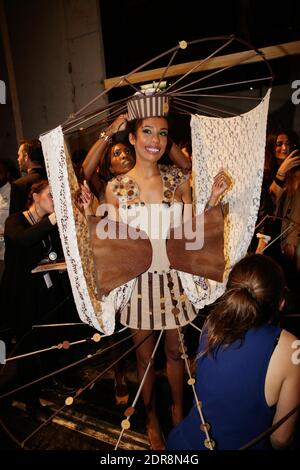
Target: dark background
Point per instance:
(137, 30)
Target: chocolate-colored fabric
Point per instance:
(118, 260)
(208, 261)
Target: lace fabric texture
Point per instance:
(237, 145)
(74, 236)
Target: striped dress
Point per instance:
(158, 299)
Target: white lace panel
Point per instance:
(236, 144)
(74, 235)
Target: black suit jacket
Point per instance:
(21, 187)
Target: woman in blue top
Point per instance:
(248, 371)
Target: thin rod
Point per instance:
(201, 63)
(59, 324)
(81, 121)
(219, 96)
(196, 327)
(123, 78)
(81, 390)
(208, 107)
(102, 110)
(150, 363)
(290, 227)
(194, 390)
(228, 84)
(167, 68)
(216, 72)
(271, 429)
(182, 111)
(62, 369)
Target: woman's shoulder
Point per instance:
(287, 353)
(288, 341)
(16, 217)
(124, 187)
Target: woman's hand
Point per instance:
(119, 124)
(221, 183)
(84, 199)
(290, 162)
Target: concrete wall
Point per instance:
(7, 126)
(58, 56)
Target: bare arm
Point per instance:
(178, 157)
(97, 151)
(184, 194)
(93, 158)
(289, 395)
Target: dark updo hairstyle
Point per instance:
(36, 188)
(252, 298)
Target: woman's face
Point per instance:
(282, 147)
(44, 200)
(121, 159)
(151, 139)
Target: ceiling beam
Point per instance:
(271, 52)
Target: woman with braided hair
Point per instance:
(247, 374)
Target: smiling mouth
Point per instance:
(153, 150)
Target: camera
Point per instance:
(297, 154)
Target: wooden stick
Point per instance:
(271, 52)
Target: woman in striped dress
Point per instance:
(151, 197)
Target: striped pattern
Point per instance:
(151, 303)
(157, 299)
(140, 107)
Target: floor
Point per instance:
(92, 421)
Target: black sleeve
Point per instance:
(17, 232)
(266, 208)
(17, 198)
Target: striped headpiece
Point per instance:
(148, 103)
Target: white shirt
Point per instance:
(4, 211)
